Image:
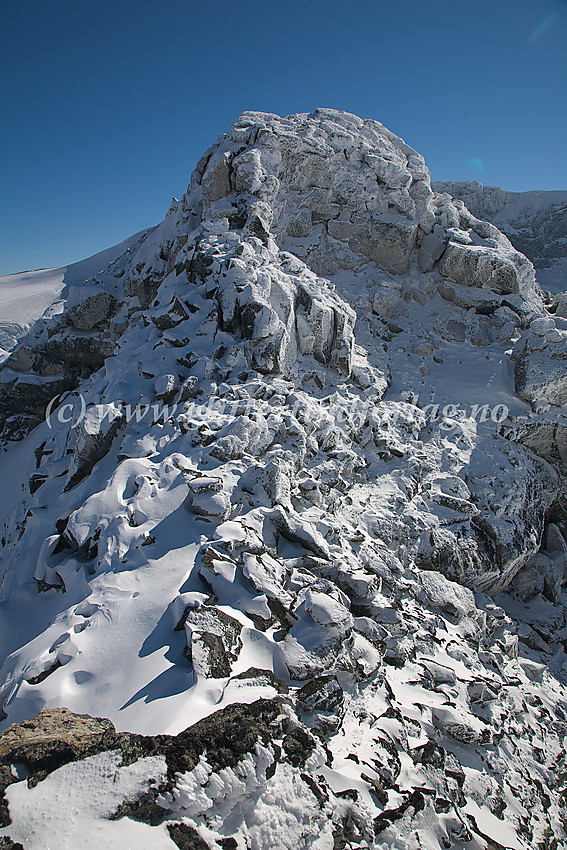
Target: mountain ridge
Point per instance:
(307, 450)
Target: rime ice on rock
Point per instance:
(320, 420)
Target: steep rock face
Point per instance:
(311, 428)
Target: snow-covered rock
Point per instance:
(535, 222)
(336, 428)
(540, 368)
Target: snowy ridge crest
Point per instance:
(378, 595)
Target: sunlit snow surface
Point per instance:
(72, 806)
(25, 296)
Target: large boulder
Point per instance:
(213, 641)
(540, 370)
(507, 272)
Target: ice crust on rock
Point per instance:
(298, 515)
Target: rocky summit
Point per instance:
(285, 547)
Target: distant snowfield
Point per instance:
(25, 296)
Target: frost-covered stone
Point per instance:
(431, 249)
(94, 435)
(472, 265)
(213, 641)
(535, 222)
(439, 592)
(296, 530)
(540, 371)
(207, 498)
(322, 699)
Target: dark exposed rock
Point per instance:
(298, 746)
(7, 844)
(213, 641)
(36, 481)
(186, 837)
(58, 736)
(52, 368)
(415, 800)
(264, 676)
(91, 312)
(323, 693)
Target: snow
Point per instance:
(26, 296)
(72, 806)
(307, 505)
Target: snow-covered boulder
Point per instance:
(439, 592)
(213, 641)
(94, 435)
(540, 369)
(493, 268)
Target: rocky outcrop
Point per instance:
(298, 463)
(93, 437)
(91, 311)
(543, 433)
(535, 223)
(329, 190)
(260, 743)
(540, 367)
(50, 740)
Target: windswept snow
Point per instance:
(25, 296)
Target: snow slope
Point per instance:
(24, 297)
(299, 492)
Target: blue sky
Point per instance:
(106, 106)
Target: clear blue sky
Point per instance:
(106, 105)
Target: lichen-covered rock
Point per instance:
(55, 737)
(228, 745)
(213, 641)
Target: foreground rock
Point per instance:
(252, 750)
